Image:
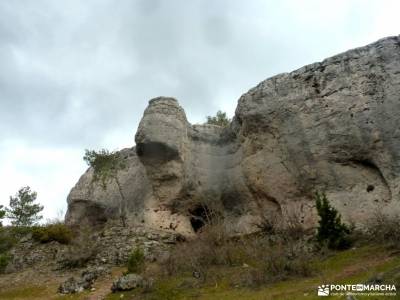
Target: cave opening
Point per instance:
(156, 152)
(199, 216)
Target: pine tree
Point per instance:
(23, 211)
(105, 166)
(331, 230)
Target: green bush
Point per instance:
(7, 240)
(2, 214)
(136, 261)
(53, 232)
(331, 231)
(219, 119)
(4, 259)
(20, 231)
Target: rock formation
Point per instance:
(331, 126)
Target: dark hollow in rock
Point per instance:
(157, 152)
(200, 216)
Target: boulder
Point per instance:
(72, 286)
(92, 273)
(128, 282)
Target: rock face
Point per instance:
(97, 251)
(331, 126)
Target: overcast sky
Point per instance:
(78, 74)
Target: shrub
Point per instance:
(4, 259)
(136, 261)
(384, 229)
(20, 231)
(219, 119)
(82, 249)
(7, 240)
(106, 166)
(284, 261)
(290, 229)
(331, 231)
(53, 232)
(267, 259)
(2, 214)
(77, 258)
(267, 226)
(278, 257)
(211, 247)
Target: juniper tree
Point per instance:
(23, 211)
(105, 166)
(331, 230)
(219, 119)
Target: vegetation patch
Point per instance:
(82, 249)
(384, 229)
(331, 231)
(220, 119)
(4, 259)
(136, 261)
(53, 232)
(261, 259)
(106, 166)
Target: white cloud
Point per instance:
(51, 172)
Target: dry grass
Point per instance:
(384, 229)
(267, 258)
(81, 250)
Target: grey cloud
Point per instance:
(72, 72)
(78, 74)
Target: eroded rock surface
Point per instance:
(331, 126)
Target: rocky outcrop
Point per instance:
(128, 282)
(76, 285)
(331, 126)
(95, 251)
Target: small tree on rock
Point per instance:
(331, 230)
(105, 166)
(220, 119)
(23, 211)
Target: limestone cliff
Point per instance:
(331, 126)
